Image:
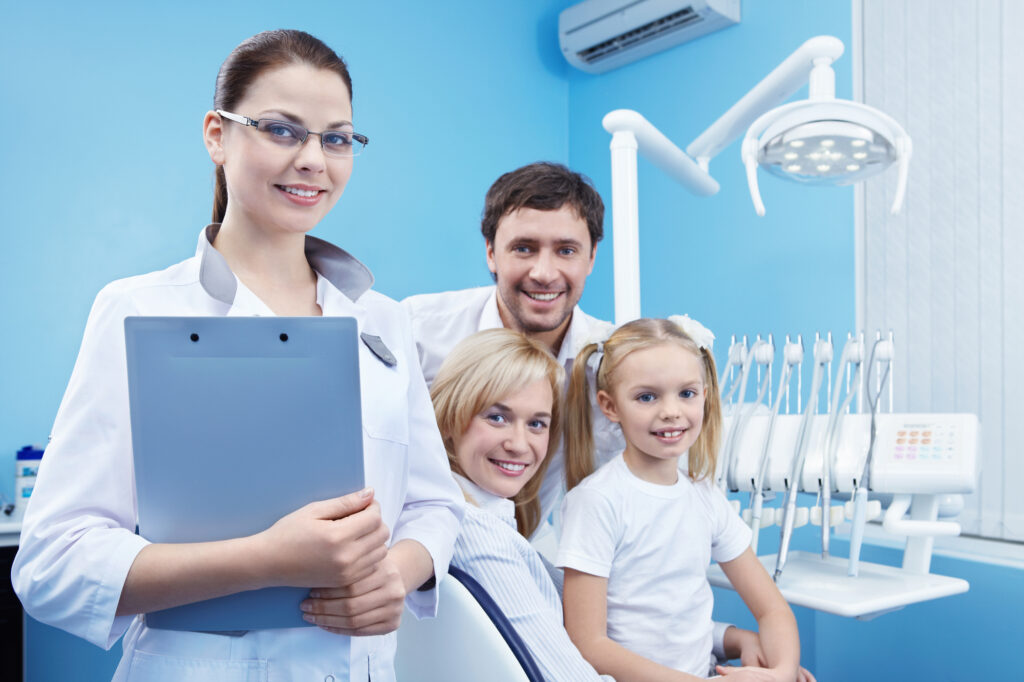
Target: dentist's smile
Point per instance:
(303, 195)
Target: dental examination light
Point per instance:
(821, 140)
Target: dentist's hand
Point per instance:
(332, 543)
(371, 606)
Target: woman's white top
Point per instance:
(78, 537)
(490, 549)
(653, 543)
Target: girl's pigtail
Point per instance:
(578, 423)
(704, 452)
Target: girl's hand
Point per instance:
(748, 673)
(371, 606)
(757, 674)
(332, 543)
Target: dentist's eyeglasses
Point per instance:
(341, 143)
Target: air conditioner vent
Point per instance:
(652, 29)
(600, 35)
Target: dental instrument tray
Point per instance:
(823, 585)
(237, 422)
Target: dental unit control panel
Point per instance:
(913, 453)
(852, 453)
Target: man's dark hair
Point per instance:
(543, 186)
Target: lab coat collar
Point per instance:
(501, 507)
(490, 318)
(340, 268)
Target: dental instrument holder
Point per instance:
(917, 473)
(761, 353)
(792, 355)
(852, 356)
(881, 353)
(822, 352)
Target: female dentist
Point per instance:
(82, 568)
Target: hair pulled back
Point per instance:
(629, 338)
(482, 370)
(254, 56)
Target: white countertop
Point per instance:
(10, 531)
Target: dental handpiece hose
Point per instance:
(822, 356)
(765, 351)
(829, 457)
(757, 496)
(860, 495)
(853, 354)
(737, 416)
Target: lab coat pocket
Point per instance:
(385, 405)
(147, 667)
(385, 401)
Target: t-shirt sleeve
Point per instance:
(589, 532)
(731, 535)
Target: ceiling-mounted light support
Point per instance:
(820, 140)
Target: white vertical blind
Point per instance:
(947, 275)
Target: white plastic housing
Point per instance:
(914, 453)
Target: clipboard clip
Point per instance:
(379, 348)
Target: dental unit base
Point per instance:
(917, 458)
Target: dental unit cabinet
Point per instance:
(916, 463)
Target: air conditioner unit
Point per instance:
(600, 35)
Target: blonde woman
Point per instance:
(496, 398)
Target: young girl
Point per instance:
(496, 407)
(637, 536)
(283, 143)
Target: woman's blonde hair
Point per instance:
(631, 337)
(482, 370)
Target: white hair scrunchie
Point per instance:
(700, 334)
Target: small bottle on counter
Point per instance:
(27, 463)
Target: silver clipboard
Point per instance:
(236, 422)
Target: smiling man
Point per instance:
(541, 225)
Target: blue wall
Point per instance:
(110, 178)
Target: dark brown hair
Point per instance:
(260, 53)
(544, 186)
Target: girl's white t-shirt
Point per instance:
(653, 543)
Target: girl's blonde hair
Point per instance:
(482, 370)
(631, 337)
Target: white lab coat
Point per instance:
(78, 539)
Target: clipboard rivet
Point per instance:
(194, 337)
(284, 337)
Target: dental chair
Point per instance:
(470, 640)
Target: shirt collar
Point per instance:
(578, 330)
(490, 318)
(337, 266)
(501, 507)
